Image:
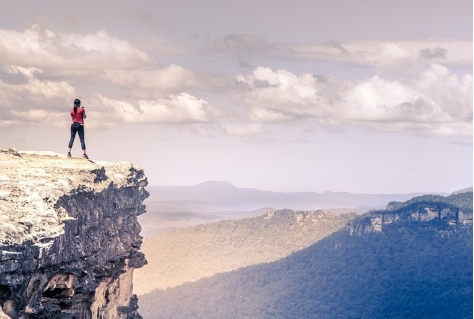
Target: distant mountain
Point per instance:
(221, 196)
(412, 260)
(464, 190)
(189, 254)
(171, 207)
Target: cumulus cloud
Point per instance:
(135, 87)
(25, 98)
(279, 87)
(437, 102)
(391, 58)
(65, 53)
(176, 109)
(149, 83)
(43, 71)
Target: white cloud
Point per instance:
(391, 58)
(278, 91)
(44, 71)
(149, 83)
(66, 53)
(133, 85)
(449, 92)
(374, 99)
(29, 99)
(177, 109)
(436, 103)
(34, 88)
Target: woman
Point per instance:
(78, 114)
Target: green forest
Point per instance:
(408, 270)
(461, 201)
(189, 254)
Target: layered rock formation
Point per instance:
(69, 236)
(451, 210)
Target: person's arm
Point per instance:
(84, 117)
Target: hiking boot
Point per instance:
(68, 154)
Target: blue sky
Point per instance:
(359, 96)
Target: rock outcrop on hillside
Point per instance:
(451, 210)
(69, 236)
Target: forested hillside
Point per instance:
(407, 269)
(191, 253)
(461, 200)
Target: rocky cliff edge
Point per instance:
(69, 236)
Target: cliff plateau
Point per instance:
(69, 236)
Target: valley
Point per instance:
(410, 260)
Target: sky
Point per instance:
(363, 96)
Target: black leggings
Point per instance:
(77, 127)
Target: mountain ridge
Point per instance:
(215, 184)
(224, 195)
(220, 200)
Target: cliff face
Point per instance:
(69, 236)
(450, 211)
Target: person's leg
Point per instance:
(73, 136)
(82, 138)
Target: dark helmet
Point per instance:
(77, 102)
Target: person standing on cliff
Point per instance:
(78, 114)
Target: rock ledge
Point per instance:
(69, 236)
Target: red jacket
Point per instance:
(79, 116)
